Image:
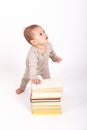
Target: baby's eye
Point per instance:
(40, 33)
(43, 31)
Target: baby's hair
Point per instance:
(28, 34)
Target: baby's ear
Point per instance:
(33, 42)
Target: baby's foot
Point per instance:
(19, 91)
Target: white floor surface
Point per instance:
(15, 110)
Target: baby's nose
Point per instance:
(46, 35)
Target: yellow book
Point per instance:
(46, 112)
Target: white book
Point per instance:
(48, 83)
(48, 88)
(46, 95)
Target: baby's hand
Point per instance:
(36, 81)
(58, 59)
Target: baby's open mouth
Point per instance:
(46, 37)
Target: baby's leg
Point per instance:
(19, 91)
(23, 85)
(24, 82)
(45, 74)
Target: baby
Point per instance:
(37, 59)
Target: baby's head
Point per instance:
(35, 35)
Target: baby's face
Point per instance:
(40, 36)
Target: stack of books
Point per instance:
(46, 97)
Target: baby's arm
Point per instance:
(57, 59)
(53, 55)
(33, 60)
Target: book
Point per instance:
(45, 100)
(48, 83)
(46, 103)
(49, 88)
(46, 111)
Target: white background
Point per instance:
(65, 22)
